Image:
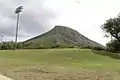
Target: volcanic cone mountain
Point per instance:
(61, 37)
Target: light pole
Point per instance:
(1, 35)
(17, 11)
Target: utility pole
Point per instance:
(17, 11)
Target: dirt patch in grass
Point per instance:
(40, 74)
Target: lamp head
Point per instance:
(19, 9)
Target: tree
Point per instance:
(7, 45)
(20, 45)
(112, 27)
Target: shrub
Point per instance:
(113, 46)
(99, 48)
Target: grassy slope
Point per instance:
(54, 60)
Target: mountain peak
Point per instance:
(60, 27)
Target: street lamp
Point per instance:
(1, 35)
(17, 11)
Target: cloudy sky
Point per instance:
(39, 16)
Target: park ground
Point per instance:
(59, 64)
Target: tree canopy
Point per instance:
(112, 27)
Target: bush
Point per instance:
(113, 46)
(7, 45)
(99, 48)
(88, 47)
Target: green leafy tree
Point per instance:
(7, 45)
(20, 45)
(112, 27)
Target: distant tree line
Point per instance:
(10, 45)
(6, 45)
(21, 45)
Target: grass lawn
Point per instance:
(58, 64)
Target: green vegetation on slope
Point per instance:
(27, 63)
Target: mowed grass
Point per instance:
(56, 64)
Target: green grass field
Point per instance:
(58, 64)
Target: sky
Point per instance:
(39, 16)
